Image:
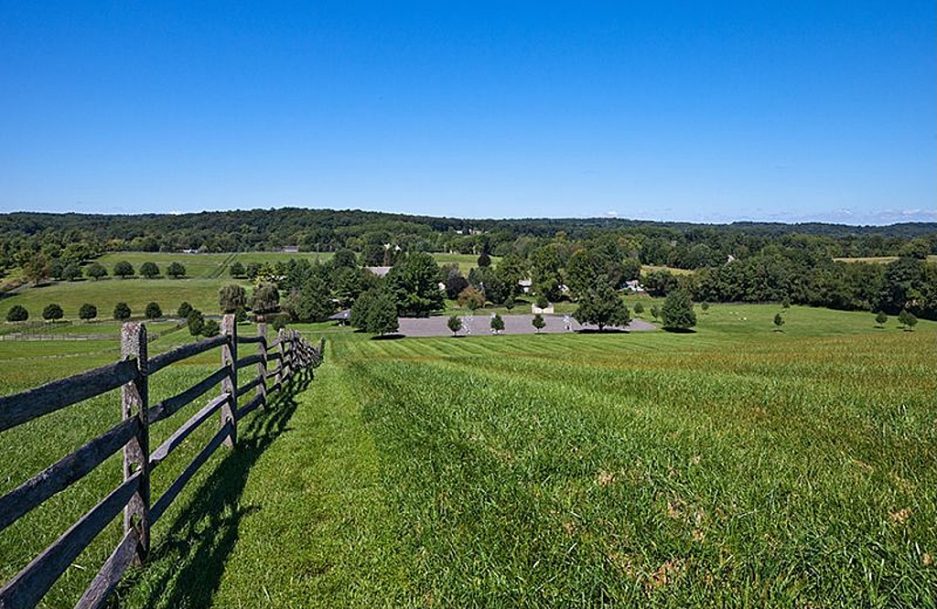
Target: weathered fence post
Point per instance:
(134, 403)
(281, 369)
(262, 364)
(229, 356)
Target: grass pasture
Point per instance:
(733, 467)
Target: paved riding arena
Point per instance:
(513, 324)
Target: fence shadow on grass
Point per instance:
(190, 562)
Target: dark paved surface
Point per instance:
(513, 324)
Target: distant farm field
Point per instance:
(732, 467)
(205, 275)
(878, 259)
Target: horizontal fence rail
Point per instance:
(27, 588)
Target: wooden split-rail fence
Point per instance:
(295, 357)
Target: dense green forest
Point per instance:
(564, 258)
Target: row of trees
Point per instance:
(87, 312)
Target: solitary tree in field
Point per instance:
(52, 312)
(149, 270)
(786, 303)
(183, 311)
(122, 311)
(484, 260)
(538, 322)
(677, 311)
(907, 319)
(175, 270)
(96, 270)
(497, 323)
(236, 269)
(638, 308)
(455, 324)
(87, 311)
(153, 311)
(17, 313)
(601, 305)
(881, 319)
(705, 307)
(231, 298)
(778, 322)
(123, 269)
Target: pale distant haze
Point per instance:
(698, 111)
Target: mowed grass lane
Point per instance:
(729, 468)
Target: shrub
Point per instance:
(195, 321)
(123, 269)
(484, 260)
(96, 270)
(471, 298)
(881, 319)
(454, 324)
(236, 270)
(509, 302)
(87, 311)
(183, 311)
(655, 311)
(542, 301)
(279, 322)
(17, 313)
(122, 311)
(175, 270)
(677, 311)
(704, 306)
(786, 303)
(210, 328)
(778, 321)
(153, 311)
(231, 298)
(149, 270)
(52, 312)
(639, 308)
(497, 323)
(538, 322)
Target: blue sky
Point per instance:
(699, 111)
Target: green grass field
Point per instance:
(732, 467)
(878, 259)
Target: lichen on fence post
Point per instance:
(135, 403)
(229, 356)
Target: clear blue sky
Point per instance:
(701, 111)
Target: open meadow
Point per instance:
(735, 466)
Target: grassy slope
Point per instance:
(736, 466)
